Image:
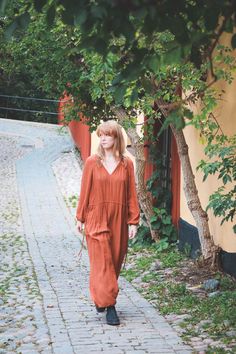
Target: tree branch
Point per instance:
(211, 49)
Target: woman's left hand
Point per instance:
(132, 231)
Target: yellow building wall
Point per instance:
(226, 115)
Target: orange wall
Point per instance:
(82, 137)
(78, 129)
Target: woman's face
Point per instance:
(107, 141)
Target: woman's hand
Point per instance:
(132, 231)
(79, 226)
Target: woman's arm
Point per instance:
(133, 231)
(86, 183)
(133, 206)
(79, 226)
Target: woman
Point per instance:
(107, 205)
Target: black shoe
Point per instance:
(111, 316)
(100, 309)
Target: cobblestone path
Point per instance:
(45, 305)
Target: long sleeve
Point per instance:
(86, 183)
(133, 206)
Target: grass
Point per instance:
(73, 201)
(170, 291)
(14, 275)
(130, 274)
(169, 258)
(144, 263)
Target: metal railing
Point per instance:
(9, 105)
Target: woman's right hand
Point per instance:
(79, 226)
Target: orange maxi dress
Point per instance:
(107, 205)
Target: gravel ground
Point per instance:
(68, 175)
(20, 301)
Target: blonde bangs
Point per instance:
(107, 128)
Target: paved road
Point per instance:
(63, 312)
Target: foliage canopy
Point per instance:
(156, 57)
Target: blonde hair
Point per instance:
(112, 128)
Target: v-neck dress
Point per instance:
(107, 205)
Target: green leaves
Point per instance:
(178, 26)
(208, 168)
(162, 245)
(175, 118)
(211, 19)
(147, 85)
(223, 204)
(119, 94)
(3, 4)
(155, 51)
(229, 26)
(154, 63)
(39, 4)
(80, 17)
(98, 11)
(50, 16)
(68, 17)
(233, 41)
(21, 22)
(221, 163)
(162, 221)
(172, 56)
(187, 113)
(10, 30)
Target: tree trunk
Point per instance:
(144, 196)
(200, 216)
(208, 248)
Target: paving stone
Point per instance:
(50, 285)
